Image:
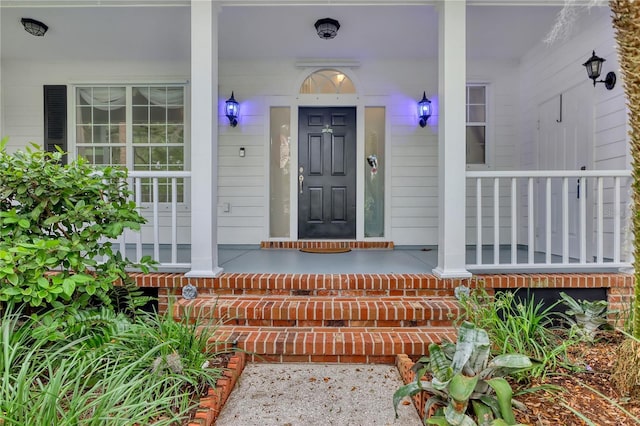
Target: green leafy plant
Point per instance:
(520, 325)
(100, 373)
(56, 223)
(585, 316)
(465, 379)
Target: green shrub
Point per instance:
(60, 218)
(518, 325)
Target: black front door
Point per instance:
(327, 173)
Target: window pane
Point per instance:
(100, 134)
(175, 115)
(141, 158)
(475, 144)
(158, 114)
(175, 134)
(83, 115)
(100, 116)
(118, 134)
(476, 114)
(280, 169)
(140, 134)
(159, 158)
(374, 129)
(83, 134)
(476, 95)
(176, 158)
(157, 134)
(140, 114)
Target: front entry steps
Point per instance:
(350, 318)
(328, 318)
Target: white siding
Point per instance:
(548, 70)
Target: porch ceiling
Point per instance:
(267, 32)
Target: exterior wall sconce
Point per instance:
(327, 28)
(424, 109)
(231, 108)
(594, 67)
(33, 27)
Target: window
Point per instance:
(476, 113)
(374, 130)
(327, 81)
(280, 172)
(140, 127)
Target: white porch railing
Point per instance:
(162, 198)
(569, 220)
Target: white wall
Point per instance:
(412, 152)
(548, 70)
(22, 92)
(23, 108)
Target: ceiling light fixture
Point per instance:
(34, 27)
(327, 28)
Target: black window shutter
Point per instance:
(55, 118)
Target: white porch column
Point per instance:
(451, 139)
(204, 139)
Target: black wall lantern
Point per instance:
(594, 67)
(424, 109)
(231, 108)
(327, 28)
(34, 27)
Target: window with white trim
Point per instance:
(141, 127)
(476, 118)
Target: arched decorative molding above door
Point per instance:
(327, 81)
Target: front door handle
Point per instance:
(300, 181)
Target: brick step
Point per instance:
(330, 344)
(288, 311)
(332, 285)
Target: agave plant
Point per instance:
(588, 316)
(466, 382)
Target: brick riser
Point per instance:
(319, 311)
(323, 344)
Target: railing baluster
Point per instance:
(531, 223)
(565, 220)
(174, 220)
(138, 186)
(600, 232)
(514, 223)
(479, 221)
(616, 219)
(496, 221)
(583, 219)
(156, 224)
(548, 222)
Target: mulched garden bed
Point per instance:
(598, 359)
(584, 398)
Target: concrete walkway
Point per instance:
(317, 394)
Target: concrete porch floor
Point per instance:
(403, 259)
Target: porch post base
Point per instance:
(204, 273)
(451, 273)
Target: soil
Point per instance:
(580, 391)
